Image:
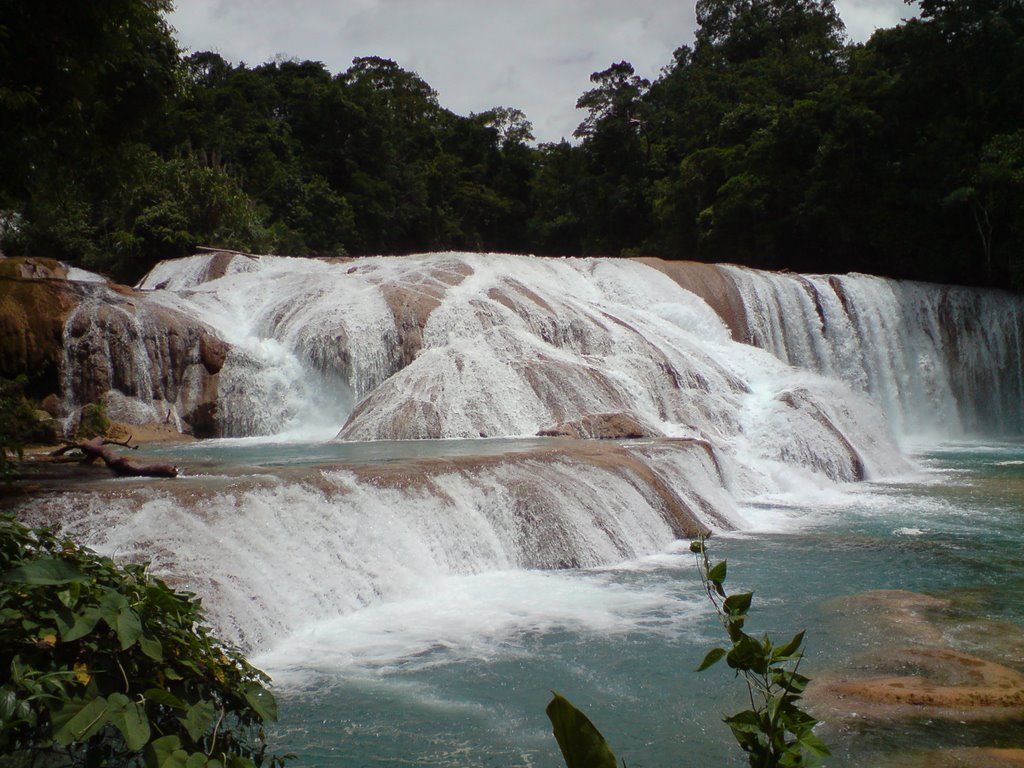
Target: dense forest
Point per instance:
(770, 140)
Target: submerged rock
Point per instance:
(929, 682)
(913, 669)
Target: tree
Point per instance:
(19, 426)
(736, 125)
(78, 81)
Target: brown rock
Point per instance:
(212, 351)
(32, 268)
(713, 285)
(960, 757)
(531, 491)
(51, 404)
(129, 352)
(32, 317)
(601, 426)
(943, 680)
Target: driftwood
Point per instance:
(97, 448)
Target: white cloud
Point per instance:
(535, 55)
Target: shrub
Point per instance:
(18, 424)
(106, 665)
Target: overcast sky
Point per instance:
(534, 55)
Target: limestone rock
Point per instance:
(110, 343)
(32, 316)
(601, 426)
(147, 362)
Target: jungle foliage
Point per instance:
(770, 140)
(19, 425)
(104, 665)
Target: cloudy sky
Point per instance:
(535, 55)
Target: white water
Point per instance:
(514, 345)
(385, 571)
(273, 551)
(943, 362)
(461, 345)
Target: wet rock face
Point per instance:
(601, 426)
(82, 343)
(149, 363)
(34, 304)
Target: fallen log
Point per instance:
(97, 448)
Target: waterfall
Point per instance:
(938, 359)
(795, 385)
(271, 552)
(144, 362)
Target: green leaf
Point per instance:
(746, 721)
(738, 604)
(713, 657)
(44, 572)
(261, 700)
(165, 752)
(790, 681)
(786, 651)
(111, 605)
(747, 654)
(8, 704)
(79, 720)
(196, 760)
(129, 717)
(128, 627)
(84, 623)
(717, 574)
(151, 647)
(165, 698)
(198, 719)
(814, 745)
(774, 703)
(581, 743)
(697, 546)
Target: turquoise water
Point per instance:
(460, 676)
(209, 455)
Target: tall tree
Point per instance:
(77, 82)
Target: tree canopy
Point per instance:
(770, 139)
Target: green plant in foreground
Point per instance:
(581, 743)
(19, 426)
(94, 421)
(774, 732)
(104, 665)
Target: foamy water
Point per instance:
(418, 605)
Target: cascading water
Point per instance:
(342, 557)
(939, 359)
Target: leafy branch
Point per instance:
(774, 731)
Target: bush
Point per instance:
(107, 665)
(19, 426)
(93, 422)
